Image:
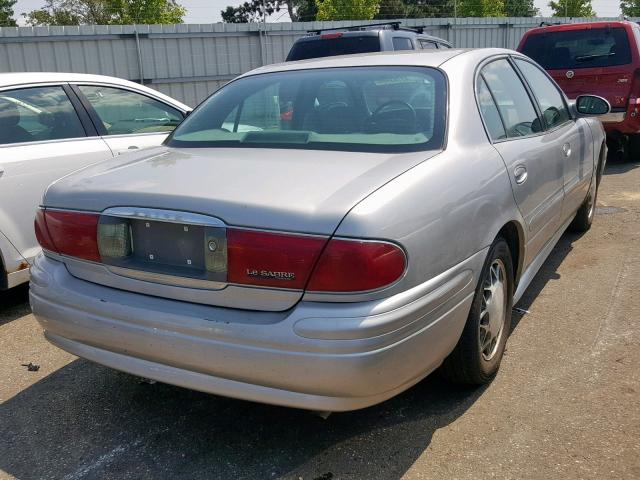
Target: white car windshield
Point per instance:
(369, 109)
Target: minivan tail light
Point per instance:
(271, 259)
(73, 233)
(357, 265)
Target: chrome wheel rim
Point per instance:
(493, 309)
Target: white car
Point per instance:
(52, 124)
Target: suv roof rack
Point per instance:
(548, 24)
(394, 25)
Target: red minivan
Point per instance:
(600, 58)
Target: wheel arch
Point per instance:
(602, 159)
(4, 278)
(513, 234)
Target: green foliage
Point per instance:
(106, 12)
(572, 8)
(520, 8)
(630, 8)
(352, 10)
(298, 10)
(415, 9)
(126, 12)
(6, 13)
(480, 8)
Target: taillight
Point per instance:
(253, 257)
(70, 233)
(42, 233)
(357, 265)
(271, 259)
(331, 36)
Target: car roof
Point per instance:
(24, 78)
(419, 58)
(559, 27)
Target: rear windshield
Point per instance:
(599, 47)
(330, 47)
(367, 109)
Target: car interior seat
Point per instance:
(10, 130)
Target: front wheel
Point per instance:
(476, 358)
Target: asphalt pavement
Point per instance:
(565, 404)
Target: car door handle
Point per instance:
(131, 147)
(566, 149)
(520, 174)
(1, 172)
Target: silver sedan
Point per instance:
(324, 234)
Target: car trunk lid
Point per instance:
(177, 201)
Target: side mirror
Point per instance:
(592, 105)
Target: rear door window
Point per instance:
(517, 111)
(489, 111)
(571, 49)
(37, 114)
(552, 105)
(402, 43)
(428, 45)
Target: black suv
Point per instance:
(375, 37)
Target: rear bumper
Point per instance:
(315, 356)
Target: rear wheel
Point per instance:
(476, 358)
(584, 217)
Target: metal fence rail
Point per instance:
(189, 61)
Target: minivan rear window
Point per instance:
(572, 49)
(330, 47)
(361, 109)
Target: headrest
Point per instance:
(9, 114)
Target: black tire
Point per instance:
(584, 217)
(467, 364)
(633, 147)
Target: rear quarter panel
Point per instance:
(449, 207)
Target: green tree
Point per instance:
(125, 12)
(298, 10)
(6, 13)
(572, 8)
(630, 8)
(106, 12)
(351, 10)
(415, 9)
(520, 8)
(480, 8)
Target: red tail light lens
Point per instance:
(42, 233)
(271, 259)
(258, 258)
(355, 266)
(70, 233)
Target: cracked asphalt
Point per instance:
(565, 405)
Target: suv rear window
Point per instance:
(598, 47)
(330, 47)
(362, 109)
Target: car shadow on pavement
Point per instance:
(87, 421)
(617, 167)
(547, 273)
(14, 303)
